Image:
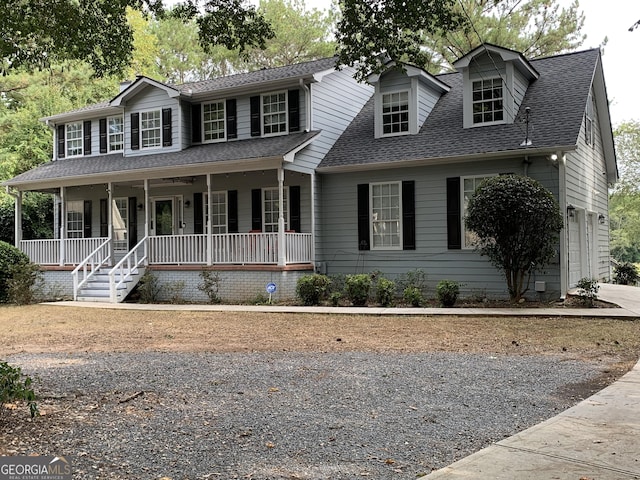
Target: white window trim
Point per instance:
(224, 119)
(154, 147)
(69, 209)
(66, 139)
(463, 212)
(400, 218)
(287, 207)
(409, 114)
(286, 113)
(504, 101)
(205, 210)
(109, 134)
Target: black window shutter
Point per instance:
(87, 219)
(132, 228)
(232, 121)
(198, 213)
(454, 227)
(254, 102)
(104, 218)
(103, 135)
(232, 211)
(256, 209)
(294, 110)
(294, 208)
(408, 215)
(196, 123)
(86, 131)
(363, 216)
(167, 139)
(61, 141)
(135, 131)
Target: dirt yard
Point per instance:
(43, 328)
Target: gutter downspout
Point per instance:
(564, 239)
(307, 103)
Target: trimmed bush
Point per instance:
(413, 296)
(588, 290)
(311, 289)
(10, 256)
(447, 292)
(385, 291)
(357, 288)
(626, 274)
(20, 285)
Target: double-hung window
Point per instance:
(386, 215)
(75, 219)
(469, 185)
(274, 113)
(151, 129)
(213, 121)
(488, 104)
(271, 209)
(120, 210)
(218, 211)
(115, 132)
(74, 139)
(395, 113)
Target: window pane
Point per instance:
(271, 204)
(74, 139)
(150, 128)
(385, 215)
(395, 112)
(487, 98)
(75, 219)
(274, 113)
(213, 121)
(115, 131)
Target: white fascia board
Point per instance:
(141, 83)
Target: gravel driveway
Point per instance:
(285, 415)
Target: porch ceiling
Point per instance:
(227, 157)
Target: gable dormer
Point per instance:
(495, 81)
(404, 99)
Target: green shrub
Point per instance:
(357, 288)
(9, 257)
(311, 289)
(447, 292)
(22, 281)
(588, 290)
(148, 287)
(414, 278)
(385, 291)
(413, 296)
(210, 285)
(626, 274)
(335, 298)
(16, 386)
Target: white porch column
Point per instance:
(282, 248)
(63, 223)
(313, 217)
(207, 223)
(146, 219)
(110, 219)
(18, 218)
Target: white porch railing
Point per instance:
(130, 264)
(231, 248)
(71, 251)
(90, 266)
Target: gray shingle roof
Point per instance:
(202, 154)
(557, 100)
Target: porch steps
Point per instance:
(97, 289)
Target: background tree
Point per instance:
(517, 222)
(624, 202)
(372, 31)
(536, 28)
(300, 35)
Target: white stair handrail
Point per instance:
(96, 261)
(124, 267)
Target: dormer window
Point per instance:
(213, 121)
(395, 113)
(488, 106)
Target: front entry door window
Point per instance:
(163, 213)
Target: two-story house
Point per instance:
(268, 175)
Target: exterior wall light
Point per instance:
(571, 211)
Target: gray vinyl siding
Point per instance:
(427, 99)
(339, 245)
(335, 101)
(153, 99)
(587, 190)
(520, 85)
(185, 124)
(394, 81)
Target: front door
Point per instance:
(166, 215)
